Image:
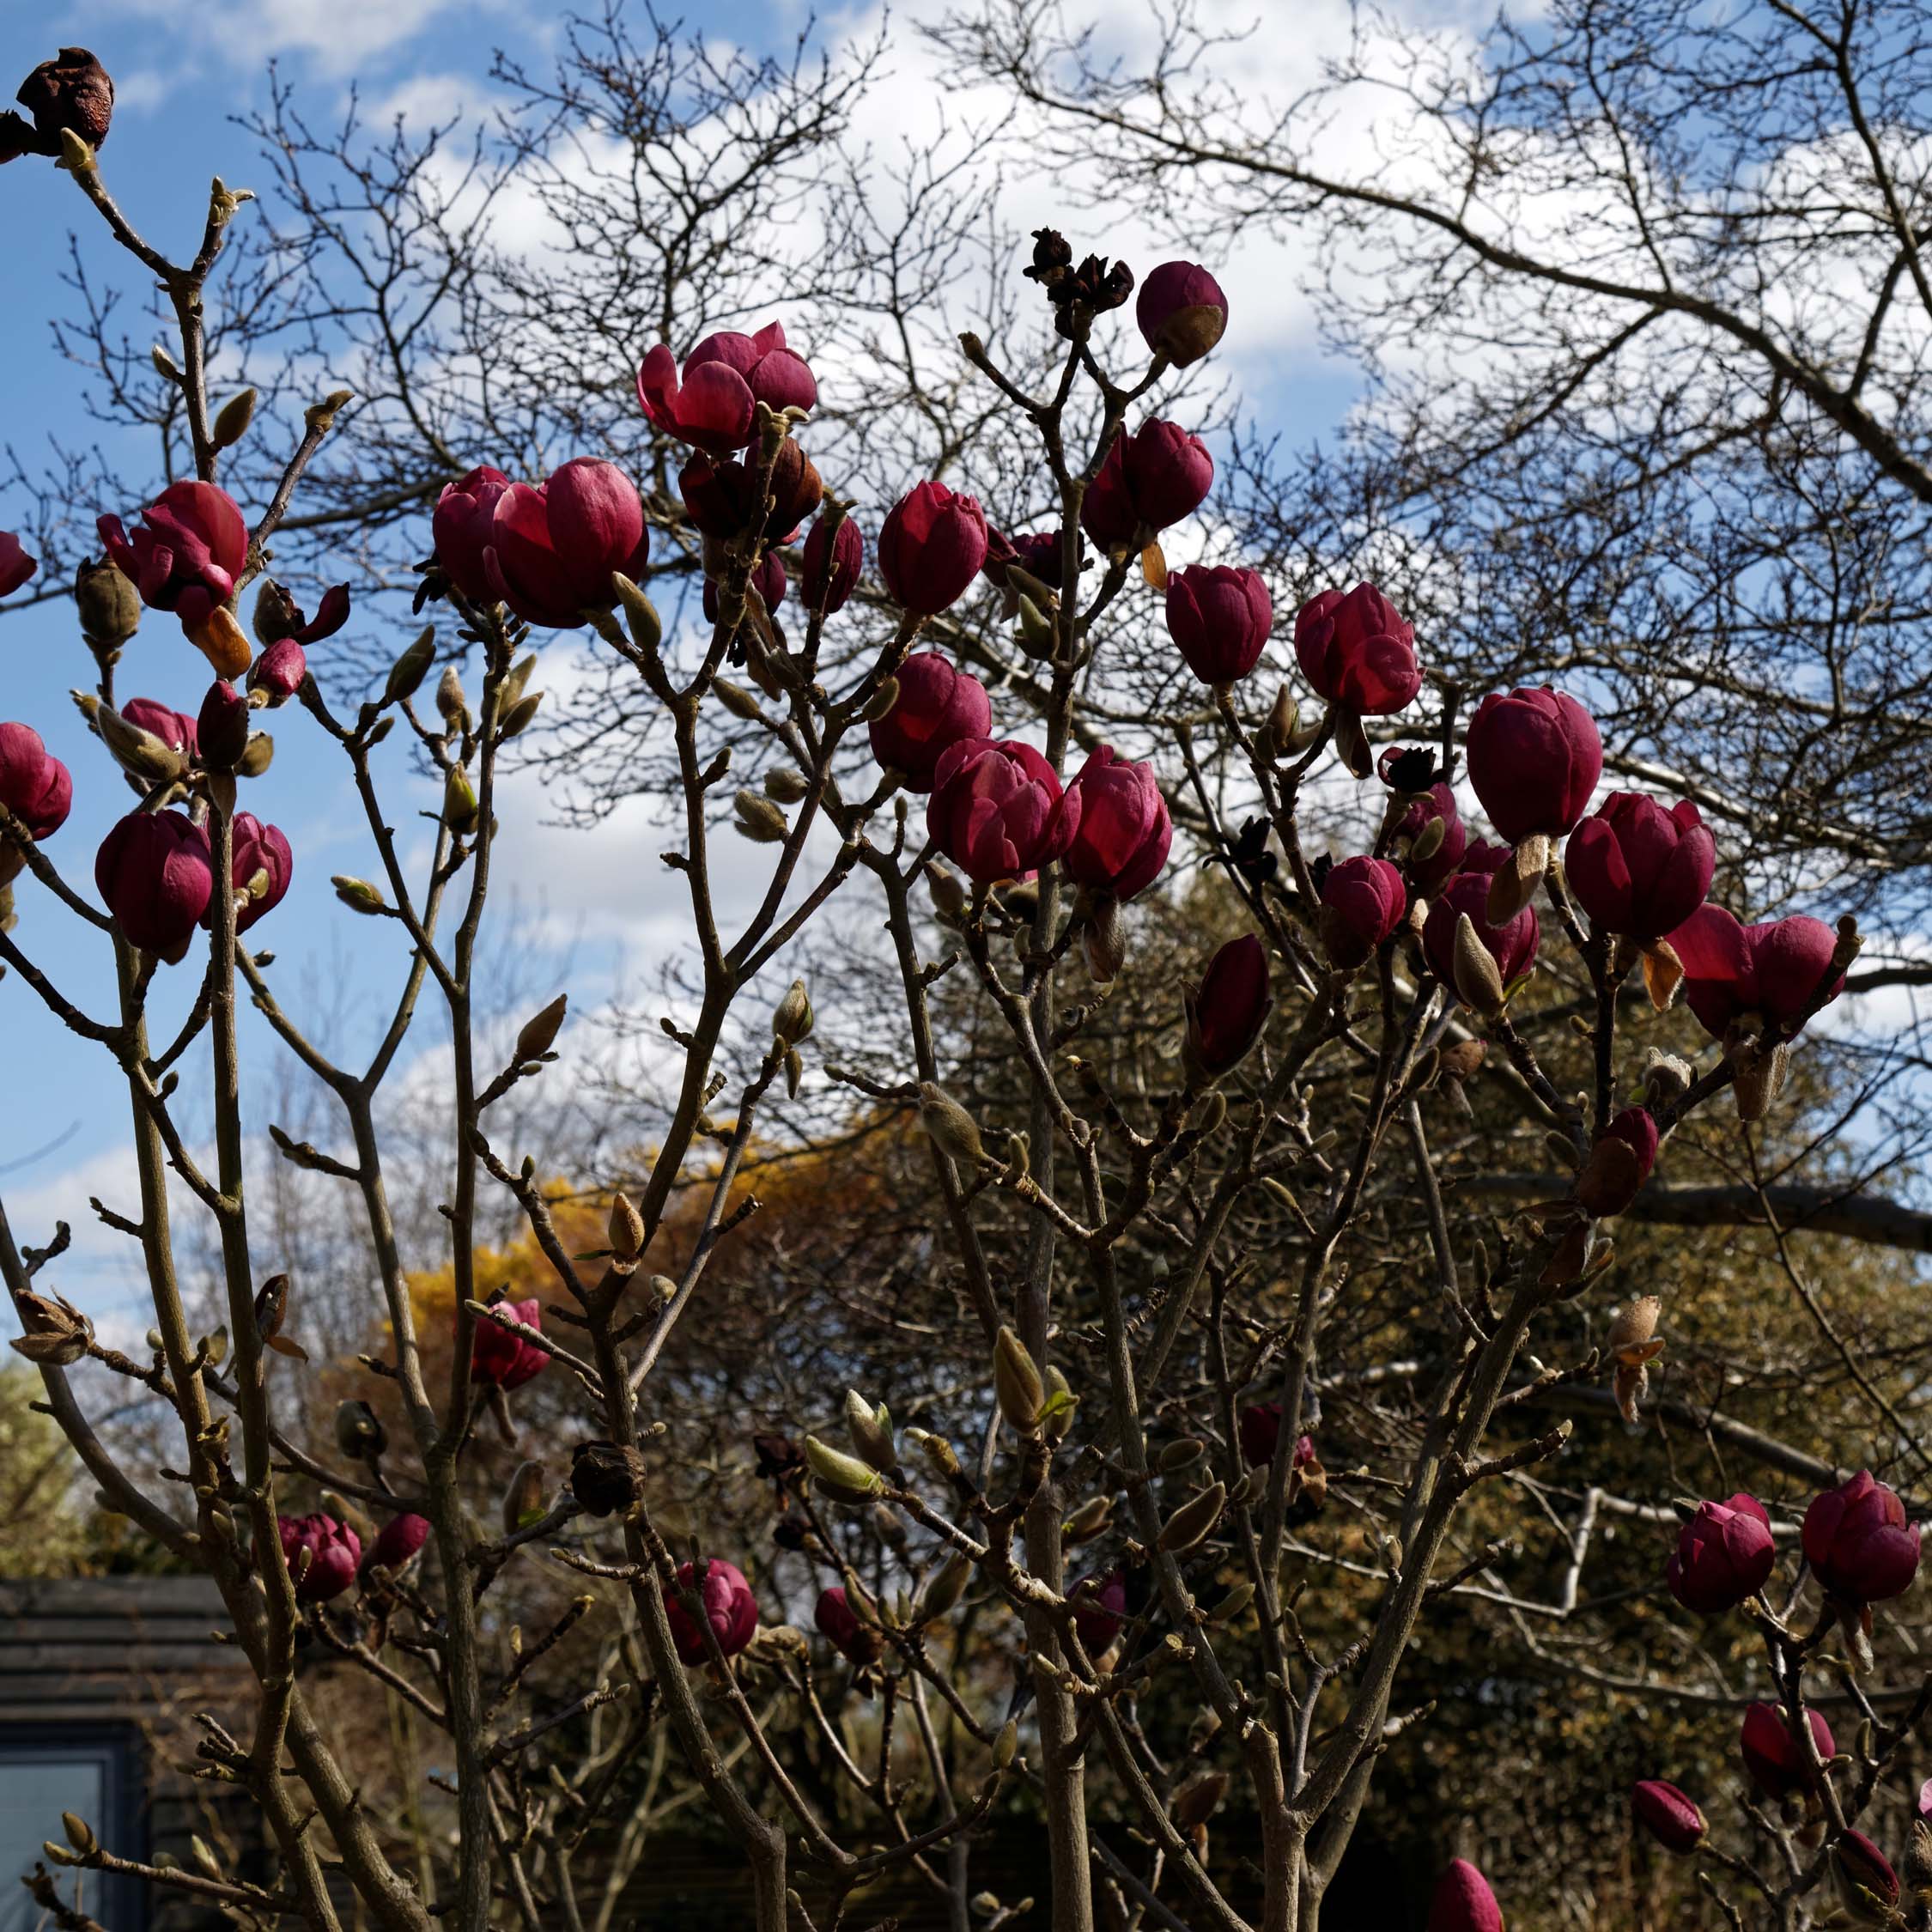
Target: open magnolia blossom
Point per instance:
(1248, 1202)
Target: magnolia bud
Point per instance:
(276, 615)
(1016, 1384)
(1477, 979)
(843, 1477)
(640, 615)
(882, 700)
(954, 1131)
(1056, 1412)
(523, 1501)
(109, 606)
(1088, 1520)
(626, 1229)
(1428, 841)
(539, 1033)
(947, 1587)
(1232, 1605)
(1102, 942)
(1194, 1802)
(80, 1833)
(138, 750)
(357, 894)
(785, 786)
(948, 894)
(791, 1023)
(1179, 1455)
(359, 1435)
(1666, 1078)
(870, 1430)
(231, 425)
(1006, 1745)
(412, 668)
(736, 699)
(258, 755)
(459, 802)
(1191, 1522)
(518, 717)
(55, 1334)
(759, 820)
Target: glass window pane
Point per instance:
(33, 1792)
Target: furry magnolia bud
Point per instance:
(954, 1131)
(1017, 1383)
(626, 1229)
(231, 424)
(793, 1021)
(539, 1034)
(1190, 1523)
(870, 1430)
(947, 1587)
(523, 1500)
(409, 670)
(843, 1477)
(758, 820)
(1477, 979)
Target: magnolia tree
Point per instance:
(1114, 1499)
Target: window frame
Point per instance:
(116, 1898)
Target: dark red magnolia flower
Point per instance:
(1534, 758)
(464, 528)
(1039, 553)
(720, 493)
(187, 553)
(73, 92)
(220, 726)
(1512, 945)
(998, 811)
(1863, 1874)
(1671, 1818)
(729, 1608)
(726, 377)
(1124, 831)
(1219, 618)
(1724, 1553)
(1638, 869)
(504, 1360)
(154, 872)
(931, 547)
(1145, 482)
(1258, 1427)
(1364, 902)
(15, 565)
(1229, 1009)
(1772, 1759)
(34, 785)
(1464, 1901)
(1182, 312)
(258, 848)
(1858, 1543)
(321, 1553)
(1439, 802)
(1099, 1610)
(553, 547)
(832, 564)
(1357, 650)
(277, 674)
(175, 729)
(937, 705)
(400, 1539)
(1773, 969)
(838, 1622)
(1620, 1163)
